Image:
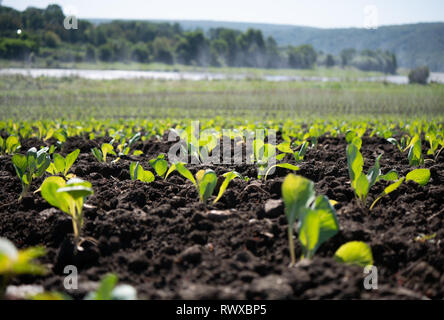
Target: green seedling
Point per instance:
(263, 153)
(69, 198)
(101, 154)
(30, 166)
(361, 182)
(285, 148)
(299, 155)
(205, 182)
(434, 142)
(124, 148)
(415, 156)
(138, 173)
(61, 166)
(355, 252)
(14, 262)
(9, 145)
(420, 176)
(160, 165)
(281, 165)
(317, 217)
(228, 177)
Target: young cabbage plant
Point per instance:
(138, 173)
(434, 143)
(160, 165)
(101, 154)
(299, 155)
(399, 144)
(316, 216)
(9, 145)
(68, 197)
(30, 166)
(286, 149)
(263, 154)
(205, 182)
(420, 176)
(14, 262)
(361, 182)
(415, 156)
(61, 166)
(124, 147)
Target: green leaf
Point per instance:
(107, 148)
(12, 144)
(59, 163)
(70, 159)
(106, 286)
(31, 157)
(392, 175)
(228, 177)
(77, 191)
(298, 192)
(20, 164)
(180, 167)
(160, 165)
(97, 154)
(77, 188)
(300, 155)
(374, 173)
(132, 170)
(355, 163)
(362, 186)
(138, 173)
(420, 176)
(146, 176)
(284, 147)
(49, 193)
(328, 221)
(355, 252)
(388, 190)
(207, 180)
(309, 233)
(170, 170)
(349, 136)
(281, 165)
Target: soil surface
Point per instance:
(160, 239)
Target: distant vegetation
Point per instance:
(415, 45)
(43, 36)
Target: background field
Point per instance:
(76, 99)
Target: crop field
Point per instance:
(223, 189)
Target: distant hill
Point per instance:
(413, 44)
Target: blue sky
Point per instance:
(316, 13)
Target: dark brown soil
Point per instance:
(158, 238)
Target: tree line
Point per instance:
(43, 36)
